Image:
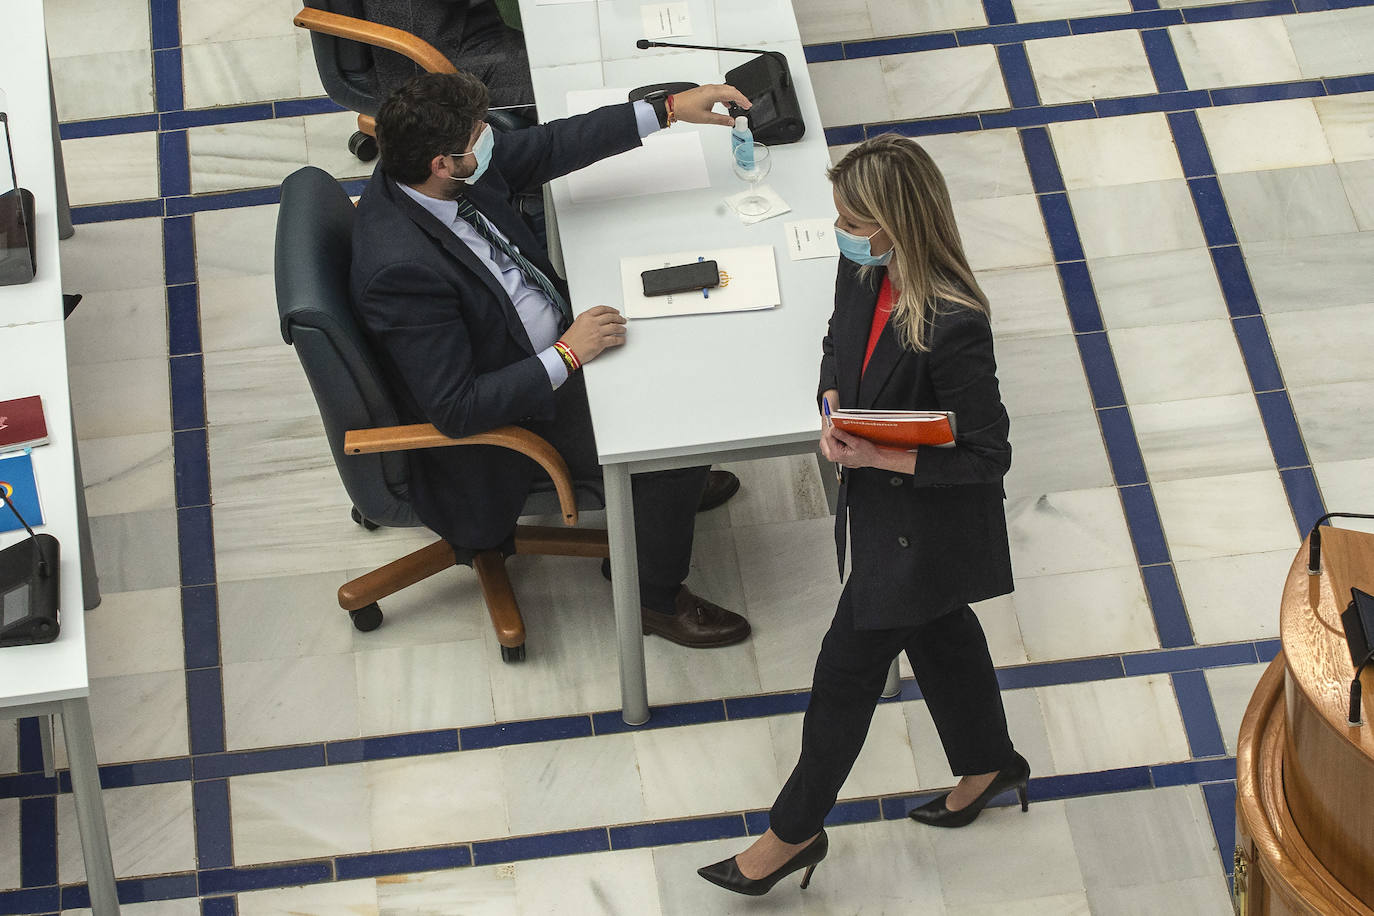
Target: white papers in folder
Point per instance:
(666, 20)
(668, 161)
(753, 283)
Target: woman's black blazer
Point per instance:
(925, 544)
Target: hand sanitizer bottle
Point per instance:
(742, 138)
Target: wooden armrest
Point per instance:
(424, 435)
(382, 36)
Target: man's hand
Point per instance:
(593, 331)
(694, 105)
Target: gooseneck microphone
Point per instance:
(1353, 714)
(644, 44)
(1314, 549)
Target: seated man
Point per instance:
(474, 331)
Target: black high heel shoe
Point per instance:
(936, 814)
(726, 873)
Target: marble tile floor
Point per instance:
(1167, 218)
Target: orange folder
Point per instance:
(902, 429)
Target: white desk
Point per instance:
(49, 679)
(696, 389)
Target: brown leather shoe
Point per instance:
(698, 624)
(720, 486)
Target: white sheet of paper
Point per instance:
(753, 283)
(581, 101)
(776, 205)
(811, 238)
(666, 20)
(666, 162)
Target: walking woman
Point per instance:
(927, 530)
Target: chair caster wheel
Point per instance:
(363, 146)
(366, 619)
(510, 654)
(367, 523)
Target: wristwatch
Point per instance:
(660, 105)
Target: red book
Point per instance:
(22, 424)
(898, 429)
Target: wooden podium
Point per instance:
(1304, 777)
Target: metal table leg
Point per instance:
(620, 525)
(65, 229)
(45, 744)
(894, 680)
(90, 582)
(90, 808)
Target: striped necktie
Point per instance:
(469, 213)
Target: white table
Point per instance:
(695, 389)
(50, 679)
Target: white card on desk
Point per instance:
(666, 20)
(811, 238)
(753, 283)
(666, 162)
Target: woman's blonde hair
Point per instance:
(890, 180)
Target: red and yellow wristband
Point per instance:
(672, 116)
(569, 357)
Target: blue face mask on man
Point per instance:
(481, 150)
(859, 250)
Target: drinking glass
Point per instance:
(753, 172)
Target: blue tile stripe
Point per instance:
(38, 841)
(1199, 714)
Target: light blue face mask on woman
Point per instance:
(482, 151)
(859, 250)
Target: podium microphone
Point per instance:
(644, 44)
(1314, 541)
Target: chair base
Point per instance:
(360, 596)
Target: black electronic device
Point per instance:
(766, 81)
(1358, 621)
(659, 91)
(29, 588)
(681, 278)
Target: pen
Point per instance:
(825, 409)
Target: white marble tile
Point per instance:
(202, 22)
(135, 633)
(1051, 611)
(150, 827)
(443, 608)
(75, 27)
(792, 586)
(1002, 629)
(1041, 10)
(406, 811)
(225, 324)
(1076, 68)
(122, 254)
(285, 617)
(9, 840)
(1225, 516)
(186, 906)
(980, 164)
(946, 81)
(356, 898)
(136, 550)
(564, 785)
(1287, 203)
(299, 814)
(1204, 437)
(118, 324)
(1210, 894)
(1056, 451)
(613, 883)
(1358, 180)
(1324, 413)
(850, 91)
(1026, 302)
(1231, 690)
(1326, 345)
(104, 85)
(270, 461)
(1002, 232)
(1332, 42)
(1348, 483)
(772, 490)
(417, 688)
(1178, 362)
(1348, 121)
(1312, 273)
(1041, 375)
(1169, 287)
(121, 398)
(884, 766)
(9, 751)
(248, 70)
(306, 69)
(1073, 904)
(838, 152)
(257, 384)
(1162, 218)
(249, 154)
(930, 16)
(1101, 725)
(107, 169)
(1234, 52)
(290, 701)
(1264, 135)
(326, 145)
(1025, 723)
(482, 891)
(1068, 532)
(128, 473)
(1122, 150)
(832, 20)
(233, 243)
(971, 874)
(1139, 839)
(706, 769)
(1233, 598)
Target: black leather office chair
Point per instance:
(313, 254)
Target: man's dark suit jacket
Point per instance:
(925, 544)
(450, 342)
